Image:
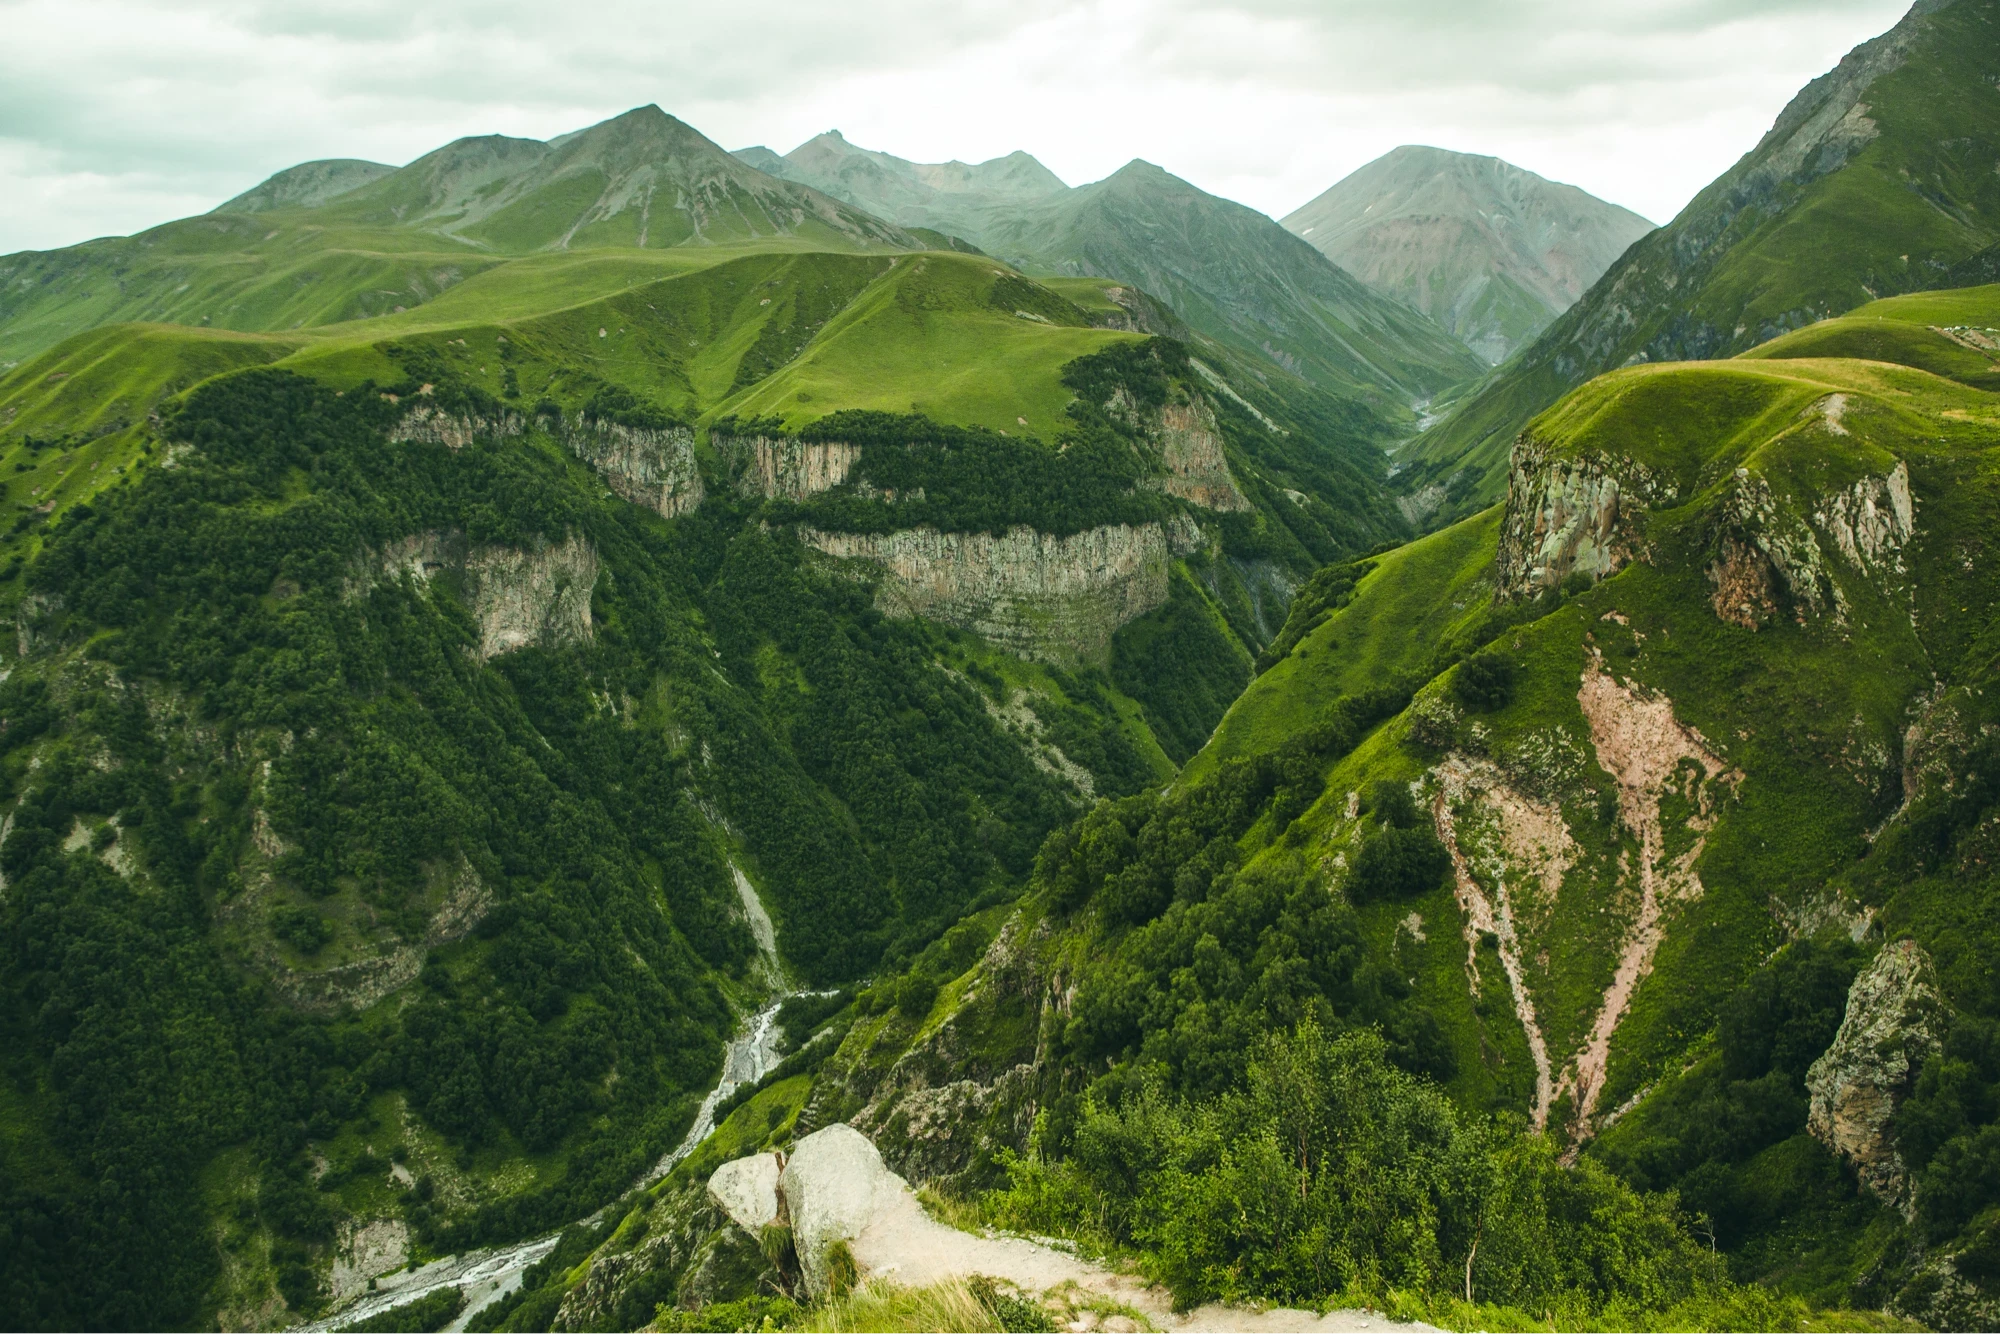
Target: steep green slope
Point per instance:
(1877, 179)
(1686, 716)
(402, 709)
(331, 245)
(1491, 252)
(1236, 277)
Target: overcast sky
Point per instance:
(118, 114)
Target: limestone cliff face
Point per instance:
(1772, 553)
(1055, 598)
(1568, 516)
(538, 594)
(429, 424)
(1894, 1023)
(786, 469)
(647, 466)
(1191, 450)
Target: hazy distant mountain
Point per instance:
(1880, 177)
(1230, 272)
(643, 178)
(1491, 252)
(307, 185)
(1237, 276)
(957, 198)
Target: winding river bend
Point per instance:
(490, 1274)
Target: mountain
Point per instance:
(292, 253)
(1228, 272)
(1491, 252)
(1878, 178)
(307, 185)
(950, 197)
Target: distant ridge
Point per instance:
(1490, 251)
(307, 185)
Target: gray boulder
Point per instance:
(747, 1190)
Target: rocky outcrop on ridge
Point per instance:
(1055, 598)
(1893, 1024)
(1568, 516)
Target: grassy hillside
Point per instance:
(1774, 654)
(1877, 179)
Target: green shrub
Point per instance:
(1485, 682)
(1398, 863)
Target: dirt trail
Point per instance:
(1481, 916)
(1642, 746)
(901, 1243)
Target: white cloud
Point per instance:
(116, 114)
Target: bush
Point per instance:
(1398, 864)
(1392, 805)
(1485, 682)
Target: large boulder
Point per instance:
(834, 1184)
(1894, 1024)
(747, 1190)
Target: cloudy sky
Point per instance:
(117, 114)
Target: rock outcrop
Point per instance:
(427, 423)
(1190, 448)
(782, 469)
(649, 466)
(1772, 556)
(537, 594)
(1568, 516)
(1893, 1024)
(1055, 598)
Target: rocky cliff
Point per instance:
(1042, 596)
(1893, 1024)
(785, 469)
(654, 467)
(1568, 516)
(535, 594)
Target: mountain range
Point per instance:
(1877, 178)
(549, 685)
(1491, 252)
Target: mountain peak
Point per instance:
(1489, 250)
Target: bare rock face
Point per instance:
(1567, 516)
(834, 1184)
(1190, 447)
(426, 423)
(1893, 1024)
(1055, 598)
(537, 594)
(784, 469)
(747, 1190)
(647, 466)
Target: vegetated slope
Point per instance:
(307, 185)
(1238, 278)
(1491, 252)
(955, 198)
(399, 716)
(1877, 179)
(1703, 741)
(1228, 271)
(293, 253)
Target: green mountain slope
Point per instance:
(325, 243)
(1877, 179)
(1227, 271)
(1491, 252)
(1238, 278)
